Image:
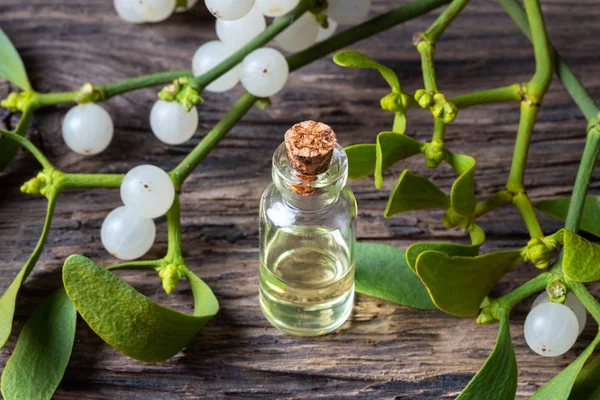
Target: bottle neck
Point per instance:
(310, 192)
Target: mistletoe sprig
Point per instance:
(457, 278)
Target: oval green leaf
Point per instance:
(361, 160)
(497, 379)
(558, 208)
(588, 381)
(40, 358)
(414, 192)
(462, 196)
(559, 388)
(581, 260)
(458, 285)
(11, 65)
(391, 148)
(382, 271)
(128, 320)
(354, 59)
(452, 249)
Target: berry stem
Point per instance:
(174, 255)
(525, 290)
(145, 264)
(436, 29)
(496, 95)
(523, 204)
(501, 198)
(90, 180)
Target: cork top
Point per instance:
(309, 146)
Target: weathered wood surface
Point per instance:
(384, 351)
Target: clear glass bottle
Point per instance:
(307, 251)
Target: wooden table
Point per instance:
(385, 351)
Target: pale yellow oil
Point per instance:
(307, 281)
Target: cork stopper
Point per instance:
(309, 146)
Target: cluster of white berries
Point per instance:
(551, 329)
(140, 11)
(128, 232)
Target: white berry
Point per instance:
(326, 33)
(87, 129)
(300, 35)
(572, 302)
(171, 124)
(190, 4)
(229, 10)
(148, 191)
(239, 32)
(348, 12)
(551, 329)
(154, 10)
(211, 54)
(276, 8)
(127, 10)
(126, 235)
(264, 72)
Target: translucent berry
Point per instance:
(171, 124)
(154, 10)
(276, 8)
(127, 10)
(229, 10)
(300, 35)
(148, 191)
(264, 72)
(348, 12)
(126, 235)
(551, 329)
(572, 302)
(326, 33)
(237, 33)
(208, 56)
(87, 129)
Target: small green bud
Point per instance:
(453, 219)
(485, 317)
(17, 101)
(44, 183)
(394, 102)
(449, 114)
(435, 153)
(88, 94)
(169, 93)
(537, 253)
(437, 110)
(424, 98)
(171, 275)
(263, 103)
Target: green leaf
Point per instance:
(587, 381)
(391, 148)
(581, 261)
(412, 253)
(414, 192)
(558, 208)
(462, 196)
(129, 321)
(382, 271)
(354, 59)
(11, 65)
(560, 386)
(40, 358)
(497, 379)
(361, 160)
(477, 234)
(458, 285)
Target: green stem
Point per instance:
(160, 78)
(543, 56)
(496, 95)
(23, 141)
(145, 264)
(525, 290)
(581, 97)
(361, 31)
(90, 180)
(42, 240)
(501, 198)
(200, 82)
(439, 130)
(191, 161)
(522, 202)
(40, 100)
(586, 298)
(427, 65)
(517, 169)
(445, 19)
(174, 233)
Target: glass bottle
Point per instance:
(307, 251)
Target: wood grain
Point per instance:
(385, 351)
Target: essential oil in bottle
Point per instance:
(307, 234)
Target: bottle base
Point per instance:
(307, 320)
